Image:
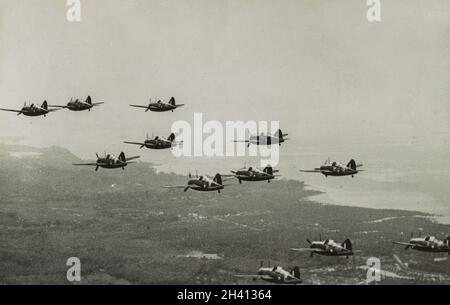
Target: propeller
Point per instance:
(190, 175)
(309, 242)
(97, 155)
(149, 103)
(186, 188)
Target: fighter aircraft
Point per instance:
(262, 139)
(160, 106)
(275, 275)
(336, 169)
(77, 105)
(32, 110)
(110, 161)
(158, 142)
(202, 184)
(426, 244)
(255, 174)
(328, 248)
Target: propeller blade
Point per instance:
(96, 168)
(19, 113)
(186, 188)
(309, 242)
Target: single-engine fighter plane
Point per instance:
(336, 169)
(160, 106)
(158, 142)
(110, 161)
(275, 275)
(77, 105)
(426, 244)
(32, 110)
(202, 184)
(328, 248)
(255, 174)
(262, 139)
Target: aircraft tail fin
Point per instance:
(171, 138)
(279, 134)
(352, 164)
(89, 100)
(268, 170)
(347, 244)
(218, 179)
(296, 272)
(44, 105)
(172, 101)
(122, 157)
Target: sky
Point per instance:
(330, 77)
(340, 86)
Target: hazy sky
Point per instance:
(319, 67)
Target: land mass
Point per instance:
(126, 229)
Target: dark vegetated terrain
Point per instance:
(126, 228)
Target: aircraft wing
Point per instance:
(228, 177)
(132, 158)
(139, 106)
(175, 186)
(87, 164)
(56, 106)
(292, 279)
(11, 110)
(254, 276)
(311, 171)
(306, 250)
(241, 141)
(402, 243)
(135, 143)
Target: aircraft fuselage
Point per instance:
(157, 144)
(74, 106)
(33, 111)
(160, 107)
(204, 186)
(110, 163)
(265, 140)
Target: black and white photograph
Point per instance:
(253, 143)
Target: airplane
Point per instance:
(110, 161)
(426, 244)
(276, 275)
(160, 106)
(202, 184)
(262, 139)
(32, 110)
(158, 142)
(336, 169)
(255, 174)
(328, 248)
(77, 105)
